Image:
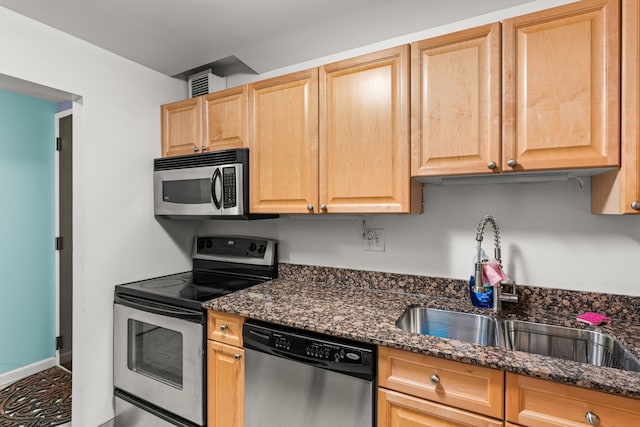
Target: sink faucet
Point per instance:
(498, 294)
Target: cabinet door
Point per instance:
(226, 118)
(364, 134)
(466, 386)
(455, 103)
(535, 402)
(400, 410)
(561, 87)
(225, 385)
(618, 192)
(181, 127)
(225, 328)
(283, 144)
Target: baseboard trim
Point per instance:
(25, 371)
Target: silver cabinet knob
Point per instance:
(512, 163)
(592, 419)
(635, 205)
(196, 149)
(237, 356)
(323, 207)
(223, 327)
(435, 379)
(492, 165)
(203, 148)
(310, 207)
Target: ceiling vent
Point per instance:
(205, 82)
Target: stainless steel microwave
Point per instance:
(211, 185)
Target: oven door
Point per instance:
(159, 359)
(187, 192)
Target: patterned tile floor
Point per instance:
(39, 400)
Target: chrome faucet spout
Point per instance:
(487, 219)
(498, 296)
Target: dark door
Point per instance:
(65, 215)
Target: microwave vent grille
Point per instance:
(223, 157)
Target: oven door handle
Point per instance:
(158, 308)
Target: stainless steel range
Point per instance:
(159, 330)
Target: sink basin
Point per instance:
(473, 328)
(568, 343)
(574, 344)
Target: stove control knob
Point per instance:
(209, 244)
(200, 244)
(252, 247)
(262, 249)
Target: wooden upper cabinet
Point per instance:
(561, 87)
(226, 119)
(364, 134)
(283, 147)
(455, 103)
(217, 121)
(181, 127)
(618, 191)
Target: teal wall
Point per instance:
(27, 227)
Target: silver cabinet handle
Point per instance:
(592, 419)
(635, 205)
(196, 149)
(203, 148)
(310, 207)
(435, 379)
(237, 356)
(512, 163)
(223, 327)
(492, 165)
(323, 207)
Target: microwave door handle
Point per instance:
(214, 196)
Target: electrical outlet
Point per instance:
(373, 240)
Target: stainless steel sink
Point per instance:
(568, 343)
(574, 344)
(473, 328)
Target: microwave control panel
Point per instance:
(229, 187)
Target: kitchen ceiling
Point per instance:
(173, 37)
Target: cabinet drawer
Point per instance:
(397, 409)
(225, 328)
(536, 402)
(462, 385)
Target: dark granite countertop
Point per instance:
(369, 314)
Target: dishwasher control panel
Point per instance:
(308, 347)
(335, 353)
(314, 349)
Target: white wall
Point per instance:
(116, 136)
(549, 237)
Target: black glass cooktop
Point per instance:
(189, 289)
(221, 265)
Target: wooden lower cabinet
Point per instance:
(462, 385)
(225, 370)
(401, 410)
(536, 402)
(419, 390)
(225, 385)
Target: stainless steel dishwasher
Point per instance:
(296, 378)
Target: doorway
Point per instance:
(64, 239)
